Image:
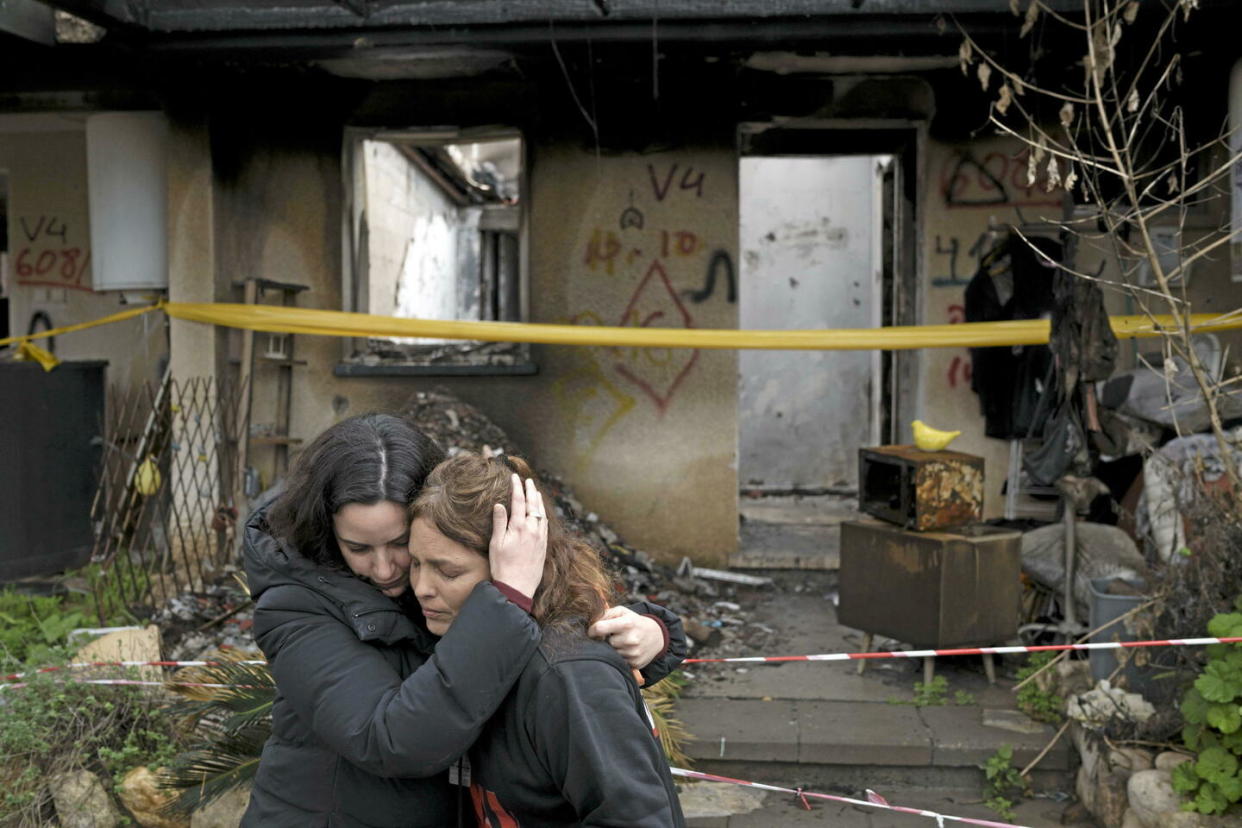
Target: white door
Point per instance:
(810, 240)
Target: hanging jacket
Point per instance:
(1007, 379)
(572, 745)
(366, 719)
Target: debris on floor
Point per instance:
(194, 623)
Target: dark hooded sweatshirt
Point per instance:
(366, 720)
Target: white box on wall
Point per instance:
(127, 182)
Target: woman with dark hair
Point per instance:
(572, 744)
(371, 710)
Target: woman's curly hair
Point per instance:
(458, 498)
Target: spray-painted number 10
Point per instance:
(682, 242)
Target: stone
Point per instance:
(1131, 820)
(140, 793)
(1086, 745)
(700, 800)
(224, 812)
(82, 802)
(1152, 797)
(1104, 703)
(1190, 819)
(1129, 759)
(1170, 759)
(1073, 677)
(1084, 788)
(126, 644)
(701, 634)
(1110, 798)
(1014, 721)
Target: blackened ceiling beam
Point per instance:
(28, 19)
(201, 16)
(843, 36)
(234, 15)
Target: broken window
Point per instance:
(436, 233)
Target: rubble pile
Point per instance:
(455, 424)
(713, 610)
(193, 624)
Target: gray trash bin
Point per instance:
(1154, 682)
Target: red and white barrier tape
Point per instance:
(1039, 648)
(137, 683)
(873, 800)
(84, 665)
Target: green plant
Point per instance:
(935, 693)
(112, 591)
(661, 699)
(932, 693)
(1213, 724)
(229, 725)
(1003, 784)
(1038, 700)
(52, 724)
(33, 628)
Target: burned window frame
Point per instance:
(363, 355)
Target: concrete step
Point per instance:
(824, 727)
(763, 545)
(852, 745)
(717, 805)
(792, 532)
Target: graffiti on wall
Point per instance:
(673, 268)
(994, 185)
(47, 255)
(999, 179)
(977, 187)
(960, 367)
(657, 372)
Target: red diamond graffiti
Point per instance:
(658, 372)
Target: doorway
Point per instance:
(811, 241)
(821, 245)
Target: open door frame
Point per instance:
(903, 265)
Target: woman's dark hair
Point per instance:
(366, 459)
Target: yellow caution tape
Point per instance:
(32, 352)
(81, 326)
(278, 319)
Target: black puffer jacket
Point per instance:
(366, 721)
(573, 745)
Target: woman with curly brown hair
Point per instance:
(572, 743)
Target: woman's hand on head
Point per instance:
(519, 538)
(636, 638)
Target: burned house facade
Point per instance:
(750, 165)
